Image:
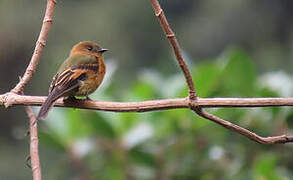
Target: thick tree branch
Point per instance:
(164, 104)
(10, 99)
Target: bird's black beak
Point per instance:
(103, 50)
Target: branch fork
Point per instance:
(192, 95)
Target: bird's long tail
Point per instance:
(66, 85)
(48, 104)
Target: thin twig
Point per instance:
(41, 42)
(34, 143)
(282, 139)
(176, 48)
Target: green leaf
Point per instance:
(206, 78)
(239, 76)
(143, 90)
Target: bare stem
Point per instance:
(251, 135)
(10, 99)
(34, 144)
(41, 42)
(176, 48)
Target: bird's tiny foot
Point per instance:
(69, 99)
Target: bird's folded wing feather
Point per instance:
(72, 76)
(61, 84)
(68, 79)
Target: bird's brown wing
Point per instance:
(61, 84)
(67, 79)
(65, 82)
(74, 73)
(53, 82)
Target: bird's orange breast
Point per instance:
(93, 80)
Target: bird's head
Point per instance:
(87, 47)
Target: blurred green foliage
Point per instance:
(174, 144)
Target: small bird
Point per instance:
(79, 75)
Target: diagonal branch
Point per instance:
(251, 135)
(176, 48)
(41, 42)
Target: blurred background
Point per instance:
(234, 48)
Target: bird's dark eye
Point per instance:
(89, 48)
